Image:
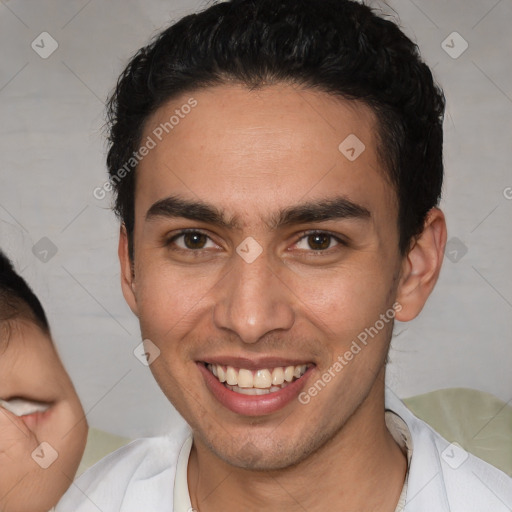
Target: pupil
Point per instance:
(193, 240)
(319, 241)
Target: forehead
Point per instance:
(20, 335)
(270, 146)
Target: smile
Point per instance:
(255, 387)
(256, 382)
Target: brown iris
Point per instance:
(194, 240)
(319, 241)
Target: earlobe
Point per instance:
(127, 271)
(421, 266)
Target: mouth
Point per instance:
(257, 382)
(21, 407)
(32, 413)
(255, 390)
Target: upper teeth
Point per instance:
(21, 407)
(262, 379)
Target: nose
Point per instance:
(253, 300)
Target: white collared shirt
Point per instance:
(396, 426)
(150, 474)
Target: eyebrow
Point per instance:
(336, 208)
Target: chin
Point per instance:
(261, 456)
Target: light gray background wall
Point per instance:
(52, 158)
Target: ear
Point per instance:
(127, 271)
(421, 267)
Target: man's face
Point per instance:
(261, 293)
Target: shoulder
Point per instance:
(475, 484)
(140, 474)
(470, 483)
(445, 477)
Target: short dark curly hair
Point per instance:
(340, 47)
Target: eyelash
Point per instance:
(306, 234)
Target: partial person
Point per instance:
(43, 429)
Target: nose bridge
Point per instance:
(253, 300)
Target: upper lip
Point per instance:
(254, 363)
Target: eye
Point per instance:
(318, 241)
(192, 240)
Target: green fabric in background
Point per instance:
(478, 421)
(99, 445)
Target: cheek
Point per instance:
(165, 298)
(345, 301)
(66, 432)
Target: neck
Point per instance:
(360, 469)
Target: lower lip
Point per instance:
(253, 405)
(35, 419)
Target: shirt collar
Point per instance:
(423, 485)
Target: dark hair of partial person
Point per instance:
(340, 47)
(17, 300)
